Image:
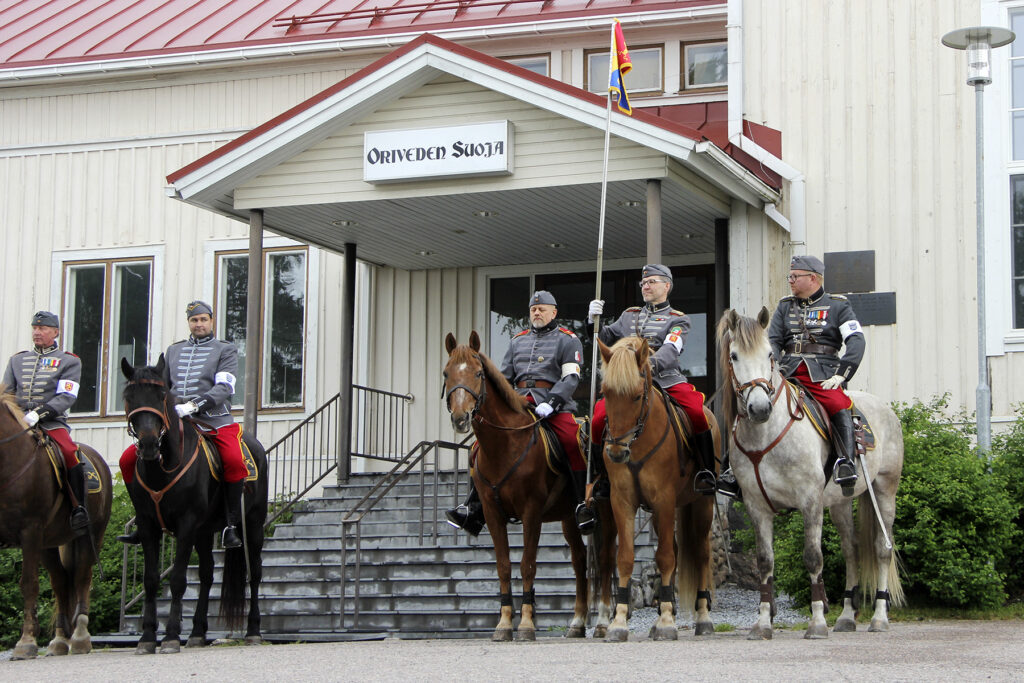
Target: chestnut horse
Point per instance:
(650, 463)
(34, 515)
(780, 464)
(515, 482)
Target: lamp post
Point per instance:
(978, 41)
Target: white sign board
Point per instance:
(474, 149)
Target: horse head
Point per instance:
(748, 362)
(626, 386)
(465, 386)
(146, 406)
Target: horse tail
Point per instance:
(232, 591)
(693, 553)
(869, 545)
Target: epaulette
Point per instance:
(675, 312)
(633, 309)
(789, 297)
(180, 341)
(523, 332)
(838, 296)
(21, 352)
(74, 355)
(567, 331)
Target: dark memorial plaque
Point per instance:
(876, 308)
(850, 271)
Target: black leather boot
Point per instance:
(602, 487)
(131, 539)
(76, 482)
(845, 472)
(470, 515)
(727, 484)
(586, 520)
(704, 450)
(233, 512)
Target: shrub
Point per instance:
(1008, 465)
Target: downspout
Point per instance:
(796, 224)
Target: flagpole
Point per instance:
(600, 254)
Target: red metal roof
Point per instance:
(34, 32)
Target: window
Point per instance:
(106, 308)
(644, 78)
(284, 321)
(1017, 87)
(538, 64)
(1017, 242)
(705, 65)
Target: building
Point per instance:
(763, 128)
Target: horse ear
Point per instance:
(606, 353)
(643, 352)
(762, 317)
(450, 343)
(126, 369)
(731, 319)
(161, 364)
(474, 341)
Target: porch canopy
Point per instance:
(309, 170)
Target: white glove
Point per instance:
(32, 418)
(596, 308)
(833, 382)
(544, 409)
(186, 409)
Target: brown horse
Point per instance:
(644, 457)
(34, 515)
(515, 482)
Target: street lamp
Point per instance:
(978, 41)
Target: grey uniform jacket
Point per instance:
(823, 319)
(665, 330)
(204, 371)
(45, 378)
(551, 354)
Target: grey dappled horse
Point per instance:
(778, 459)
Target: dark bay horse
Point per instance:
(34, 515)
(780, 464)
(173, 490)
(644, 457)
(515, 482)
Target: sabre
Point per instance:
(874, 502)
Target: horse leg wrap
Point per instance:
(818, 593)
(622, 596)
(854, 595)
(666, 593)
(702, 594)
(506, 599)
(528, 597)
(883, 595)
(768, 593)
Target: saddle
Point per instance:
(93, 483)
(863, 436)
(554, 454)
(682, 427)
(216, 465)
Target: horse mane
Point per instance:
(7, 399)
(746, 336)
(464, 354)
(621, 374)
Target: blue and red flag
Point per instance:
(620, 66)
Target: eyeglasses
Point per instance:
(651, 281)
(794, 278)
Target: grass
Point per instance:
(724, 628)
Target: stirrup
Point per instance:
(461, 517)
(229, 538)
(704, 483)
(845, 481)
(79, 519)
(586, 520)
(131, 539)
(728, 486)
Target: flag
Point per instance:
(620, 66)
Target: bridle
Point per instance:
(758, 382)
(645, 412)
(479, 396)
(162, 414)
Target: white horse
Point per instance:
(778, 458)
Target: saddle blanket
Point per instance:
(93, 483)
(217, 467)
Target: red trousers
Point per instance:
(67, 446)
(568, 433)
(833, 400)
(684, 393)
(228, 440)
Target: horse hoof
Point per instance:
(196, 641)
(526, 634)
(617, 635)
(25, 651)
(147, 648)
(57, 648)
(576, 632)
(878, 626)
(758, 633)
(844, 626)
(254, 640)
(502, 635)
(81, 647)
(816, 632)
(703, 628)
(600, 632)
(664, 633)
(170, 647)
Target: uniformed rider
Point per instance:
(543, 364)
(45, 381)
(201, 370)
(665, 329)
(807, 332)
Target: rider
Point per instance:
(201, 371)
(665, 330)
(45, 382)
(543, 364)
(806, 333)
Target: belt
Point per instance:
(808, 347)
(534, 383)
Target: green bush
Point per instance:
(1008, 464)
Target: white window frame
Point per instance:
(61, 260)
(631, 89)
(685, 66)
(521, 60)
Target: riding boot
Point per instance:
(469, 516)
(233, 512)
(704, 449)
(76, 482)
(131, 539)
(602, 487)
(845, 472)
(727, 484)
(586, 520)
